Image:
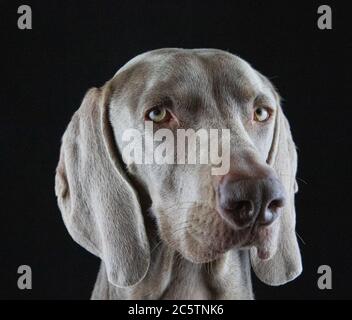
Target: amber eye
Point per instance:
(261, 114)
(158, 114)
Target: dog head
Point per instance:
(170, 103)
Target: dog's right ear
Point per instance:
(99, 206)
(286, 264)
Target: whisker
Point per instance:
(300, 179)
(300, 238)
(156, 246)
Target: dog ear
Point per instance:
(99, 206)
(286, 264)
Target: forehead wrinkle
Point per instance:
(186, 70)
(182, 77)
(216, 78)
(231, 77)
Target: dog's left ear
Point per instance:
(99, 205)
(286, 263)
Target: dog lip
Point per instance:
(250, 241)
(252, 235)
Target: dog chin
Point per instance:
(205, 256)
(198, 253)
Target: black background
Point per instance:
(79, 44)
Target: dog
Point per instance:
(177, 231)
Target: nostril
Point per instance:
(276, 204)
(244, 211)
(242, 206)
(241, 212)
(270, 214)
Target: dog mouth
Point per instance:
(244, 239)
(206, 237)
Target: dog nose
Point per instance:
(247, 200)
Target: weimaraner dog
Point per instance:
(177, 231)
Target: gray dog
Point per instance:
(177, 231)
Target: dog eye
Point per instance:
(158, 114)
(261, 114)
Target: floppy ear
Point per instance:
(99, 206)
(286, 263)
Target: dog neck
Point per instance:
(171, 276)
